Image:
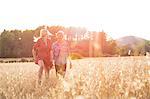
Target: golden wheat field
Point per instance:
(90, 78)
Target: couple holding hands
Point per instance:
(47, 54)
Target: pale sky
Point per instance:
(116, 17)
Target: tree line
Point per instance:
(17, 43)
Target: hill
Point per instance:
(130, 41)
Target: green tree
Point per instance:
(26, 43)
(139, 49)
(122, 51)
(15, 43)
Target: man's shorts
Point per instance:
(61, 69)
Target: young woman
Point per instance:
(60, 51)
(42, 54)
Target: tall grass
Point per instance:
(93, 78)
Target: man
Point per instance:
(60, 50)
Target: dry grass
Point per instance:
(99, 78)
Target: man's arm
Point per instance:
(69, 55)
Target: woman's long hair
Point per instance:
(35, 39)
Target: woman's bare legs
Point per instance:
(42, 67)
(46, 72)
(40, 72)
